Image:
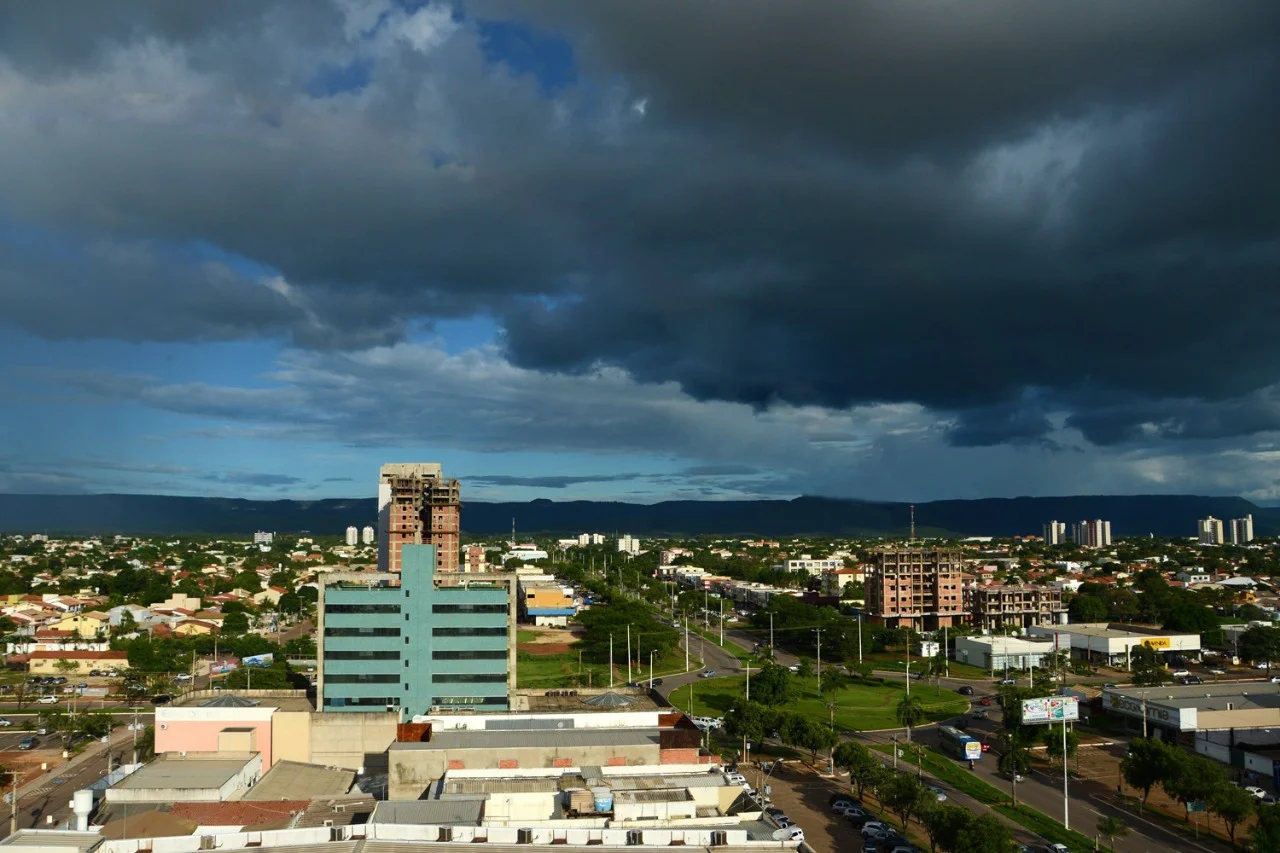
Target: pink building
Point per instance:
(205, 727)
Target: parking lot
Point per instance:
(805, 796)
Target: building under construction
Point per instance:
(915, 588)
(418, 505)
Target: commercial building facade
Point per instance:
(1113, 644)
(434, 641)
(916, 588)
(418, 505)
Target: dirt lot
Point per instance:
(548, 641)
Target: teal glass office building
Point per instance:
(431, 643)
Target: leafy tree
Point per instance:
(1191, 778)
(774, 685)
(248, 581)
(1111, 828)
(1088, 608)
(1148, 667)
(807, 733)
(1261, 643)
(1052, 736)
(806, 668)
(984, 834)
(1191, 616)
(278, 676)
(1265, 835)
(748, 720)
(864, 769)
(235, 623)
(910, 712)
(943, 823)
(289, 602)
(901, 794)
(1149, 762)
(1234, 805)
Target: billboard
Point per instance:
(259, 660)
(1052, 709)
(1157, 643)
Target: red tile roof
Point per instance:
(80, 655)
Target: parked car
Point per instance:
(182, 676)
(870, 845)
(789, 833)
(161, 699)
(27, 743)
(978, 714)
(736, 778)
(1256, 791)
(1217, 671)
(873, 827)
(1056, 848)
(1181, 673)
(965, 690)
(4, 721)
(47, 700)
(841, 804)
(937, 792)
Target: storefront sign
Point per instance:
(1157, 643)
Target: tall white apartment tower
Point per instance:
(1242, 530)
(1092, 534)
(366, 535)
(1055, 533)
(1211, 531)
(353, 535)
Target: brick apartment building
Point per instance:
(915, 588)
(1021, 605)
(418, 505)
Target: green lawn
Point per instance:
(713, 636)
(896, 662)
(859, 707)
(562, 670)
(527, 636)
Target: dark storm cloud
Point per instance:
(999, 210)
(719, 471)
(548, 482)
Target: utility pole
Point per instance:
(610, 659)
(818, 631)
(722, 621)
(859, 636)
(1066, 818)
(748, 666)
(706, 610)
(946, 652)
(629, 654)
(686, 643)
(651, 651)
(908, 661)
(13, 803)
(771, 646)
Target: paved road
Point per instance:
(712, 656)
(1088, 800)
(49, 795)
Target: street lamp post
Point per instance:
(651, 651)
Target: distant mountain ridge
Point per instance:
(1130, 515)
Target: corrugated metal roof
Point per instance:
(451, 811)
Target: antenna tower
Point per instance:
(913, 522)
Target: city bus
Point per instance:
(958, 745)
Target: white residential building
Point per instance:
(263, 538)
(1242, 530)
(806, 563)
(1210, 531)
(629, 545)
(367, 535)
(1055, 533)
(353, 536)
(1092, 534)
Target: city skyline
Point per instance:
(256, 249)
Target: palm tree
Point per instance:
(1112, 828)
(910, 712)
(1015, 761)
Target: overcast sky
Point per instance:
(734, 248)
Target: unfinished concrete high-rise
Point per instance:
(916, 588)
(418, 505)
